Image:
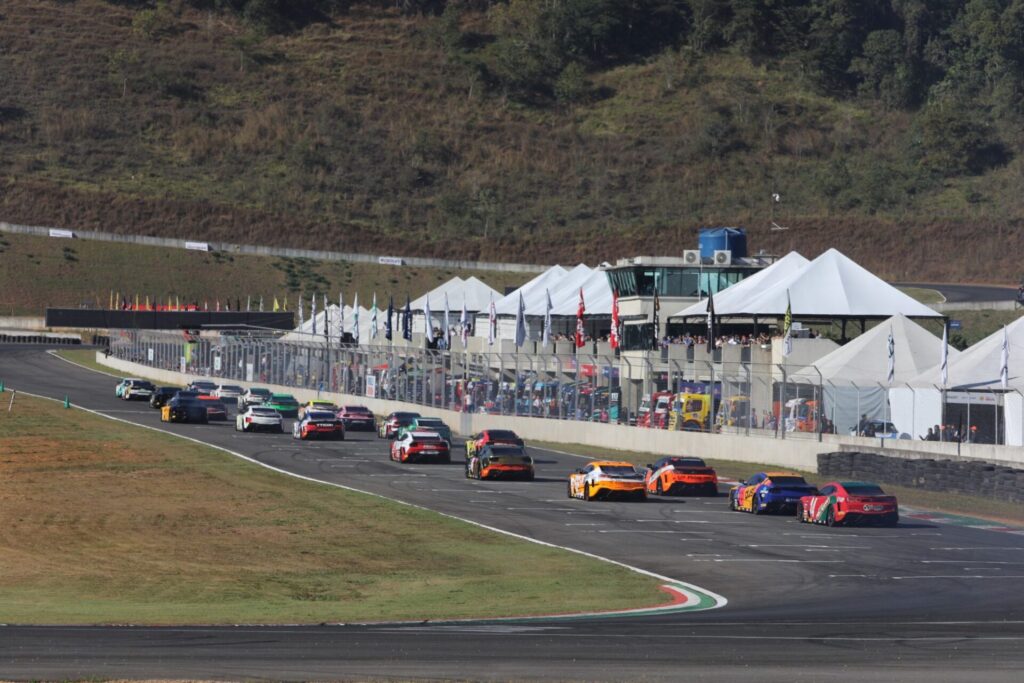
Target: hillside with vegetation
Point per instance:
(532, 130)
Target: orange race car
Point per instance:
(504, 462)
(607, 479)
(674, 476)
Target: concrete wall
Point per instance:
(22, 322)
(277, 251)
(795, 451)
(951, 307)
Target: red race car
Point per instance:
(849, 502)
(675, 476)
(491, 437)
(318, 424)
(420, 446)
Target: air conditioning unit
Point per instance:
(691, 257)
(723, 257)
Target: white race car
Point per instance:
(256, 418)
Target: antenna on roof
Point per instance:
(776, 226)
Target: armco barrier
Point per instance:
(953, 476)
(799, 454)
(284, 252)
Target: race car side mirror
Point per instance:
(650, 466)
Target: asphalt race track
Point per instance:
(956, 293)
(919, 602)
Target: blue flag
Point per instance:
(387, 320)
(407, 320)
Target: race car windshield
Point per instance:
(426, 439)
(864, 490)
(619, 471)
(357, 409)
(144, 385)
(789, 481)
(264, 412)
(260, 392)
(231, 387)
(502, 435)
(430, 422)
(506, 451)
(286, 400)
(688, 462)
(320, 416)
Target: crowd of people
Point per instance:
(951, 433)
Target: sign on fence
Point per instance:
(389, 260)
(371, 385)
(149, 354)
(249, 370)
(198, 246)
(216, 363)
(956, 325)
(64, 234)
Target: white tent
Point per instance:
(855, 379)
(974, 387)
(738, 293)
(506, 306)
(304, 332)
(597, 296)
(474, 292)
(567, 287)
(830, 286)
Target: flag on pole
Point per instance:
(580, 333)
(388, 329)
(147, 302)
(301, 319)
(657, 321)
(492, 321)
(545, 339)
(944, 361)
(373, 318)
(787, 328)
(355, 317)
(1004, 362)
(464, 324)
(613, 338)
(218, 305)
(111, 306)
(261, 303)
(312, 311)
(446, 333)
(428, 321)
(137, 302)
(284, 303)
(248, 303)
(892, 357)
(277, 306)
(327, 322)
(521, 322)
(711, 323)
(407, 320)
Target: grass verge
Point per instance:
(85, 358)
(954, 503)
(107, 523)
(924, 295)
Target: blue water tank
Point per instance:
(716, 239)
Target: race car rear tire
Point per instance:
(280, 429)
(568, 488)
(754, 509)
(732, 503)
(830, 516)
(659, 488)
(800, 513)
(586, 490)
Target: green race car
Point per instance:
(285, 404)
(433, 424)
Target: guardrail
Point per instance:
(284, 252)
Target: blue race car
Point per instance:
(770, 492)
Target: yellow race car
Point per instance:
(607, 479)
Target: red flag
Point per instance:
(579, 322)
(613, 338)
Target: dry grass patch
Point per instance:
(107, 523)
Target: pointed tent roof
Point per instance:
(597, 296)
(531, 291)
(830, 286)
(865, 360)
(304, 331)
(978, 366)
(744, 289)
(570, 283)
(451, 287)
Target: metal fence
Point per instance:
(644, 389)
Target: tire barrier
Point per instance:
(949, 476)
(38, 339)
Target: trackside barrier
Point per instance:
(720, 405)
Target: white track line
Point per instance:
(719, 600)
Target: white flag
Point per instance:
(892, 357)
(1004, 361)
(446, 333)
(492, 321)
(428, 322)
(373, 318)
(944, 365)
(301, 320)
(261, 303)
(546, 336)
(312, 311)
(521, 322)
(464, 323)
(355, 318)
